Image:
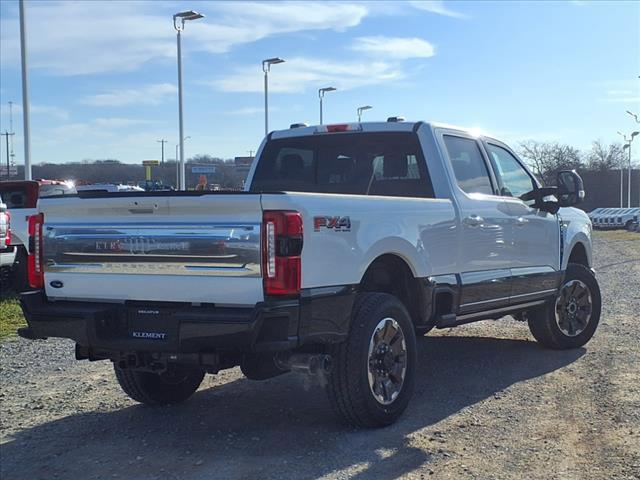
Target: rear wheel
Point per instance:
(173, 386)
(571, 320)
(373, 376)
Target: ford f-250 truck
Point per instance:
(349, 240)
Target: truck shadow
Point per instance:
(275, 429)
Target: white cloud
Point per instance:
(620, 91)
(76, 38)
(394, 47)
(101, 126)
(298, 74)
(148, 95)
(436, 6)
(48, 110)
(116, 123)
(248, 111)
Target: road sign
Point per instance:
(150, 163)
(203, 169)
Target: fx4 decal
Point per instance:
(337, 224)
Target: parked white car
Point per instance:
(348, 240)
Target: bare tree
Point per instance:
(546, 159)
(605, 157)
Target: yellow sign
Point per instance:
(151, 163)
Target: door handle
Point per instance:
(521, 222)
(473, 220)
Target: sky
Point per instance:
(103, 75)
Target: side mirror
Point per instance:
(570, 188)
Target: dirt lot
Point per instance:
(489, 403)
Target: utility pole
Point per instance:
(7, 135)
(12, 154)
(162, 141)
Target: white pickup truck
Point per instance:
(348, 241)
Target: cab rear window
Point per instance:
(389, 164)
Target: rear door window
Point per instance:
(469, 167)
(389, 164)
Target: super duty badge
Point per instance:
(337, 224)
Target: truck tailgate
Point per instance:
(173, 248)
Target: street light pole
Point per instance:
(179, 20)
(162, 141)
(627, 146)
(362, 109)
(178, 163)
(177, 167)
(266, 68)
(321, 93)
(26, 121)
(7, 135)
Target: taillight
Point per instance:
(34, 261)
(281, 248)
(7, 233)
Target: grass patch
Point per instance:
(616, 235)
(10, 317)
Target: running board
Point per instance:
(446, 321)
(449, 320)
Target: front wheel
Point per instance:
(373, 376)
(152, 389)
(572, 318)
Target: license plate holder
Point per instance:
(152, 324)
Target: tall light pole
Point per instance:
(321, 93)
(628, 146)
(266, 68)
(634, 115)
(26, 121)
(7, 135)
(179, 20)
(624, 147)
(162, 141)
(362, 109)
(12, 154)
(178, 163)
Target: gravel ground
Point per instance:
(489, 403)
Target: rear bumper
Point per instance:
(180, 328)
(318, 316)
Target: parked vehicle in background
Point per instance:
(349, 240)
(7, 251)
(21, 198)
(155, 186)
(611, 218)
(108, 188)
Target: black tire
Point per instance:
(348, 388)
(159, 389)
(546, 329)
(423, 330)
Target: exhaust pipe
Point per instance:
(309, 363)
